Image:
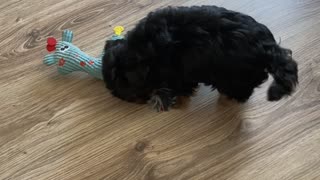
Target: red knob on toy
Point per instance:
(51, 44)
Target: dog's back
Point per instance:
(224, 48)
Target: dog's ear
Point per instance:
(109, 69)
(112, 67)
(109, 59)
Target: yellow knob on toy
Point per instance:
(118, 30)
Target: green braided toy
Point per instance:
(69, 58)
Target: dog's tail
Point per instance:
(284, 71)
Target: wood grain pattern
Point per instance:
(70, 127)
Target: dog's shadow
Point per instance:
(219, 115)
(207, 118)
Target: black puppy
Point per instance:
(173, 49)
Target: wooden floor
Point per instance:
(70, 127)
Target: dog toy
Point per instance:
(69, 58)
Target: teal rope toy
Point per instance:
(69, 58)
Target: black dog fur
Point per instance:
(173, 49)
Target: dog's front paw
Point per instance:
(162, 100)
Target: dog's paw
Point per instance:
(162, 100)
(157, 103)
